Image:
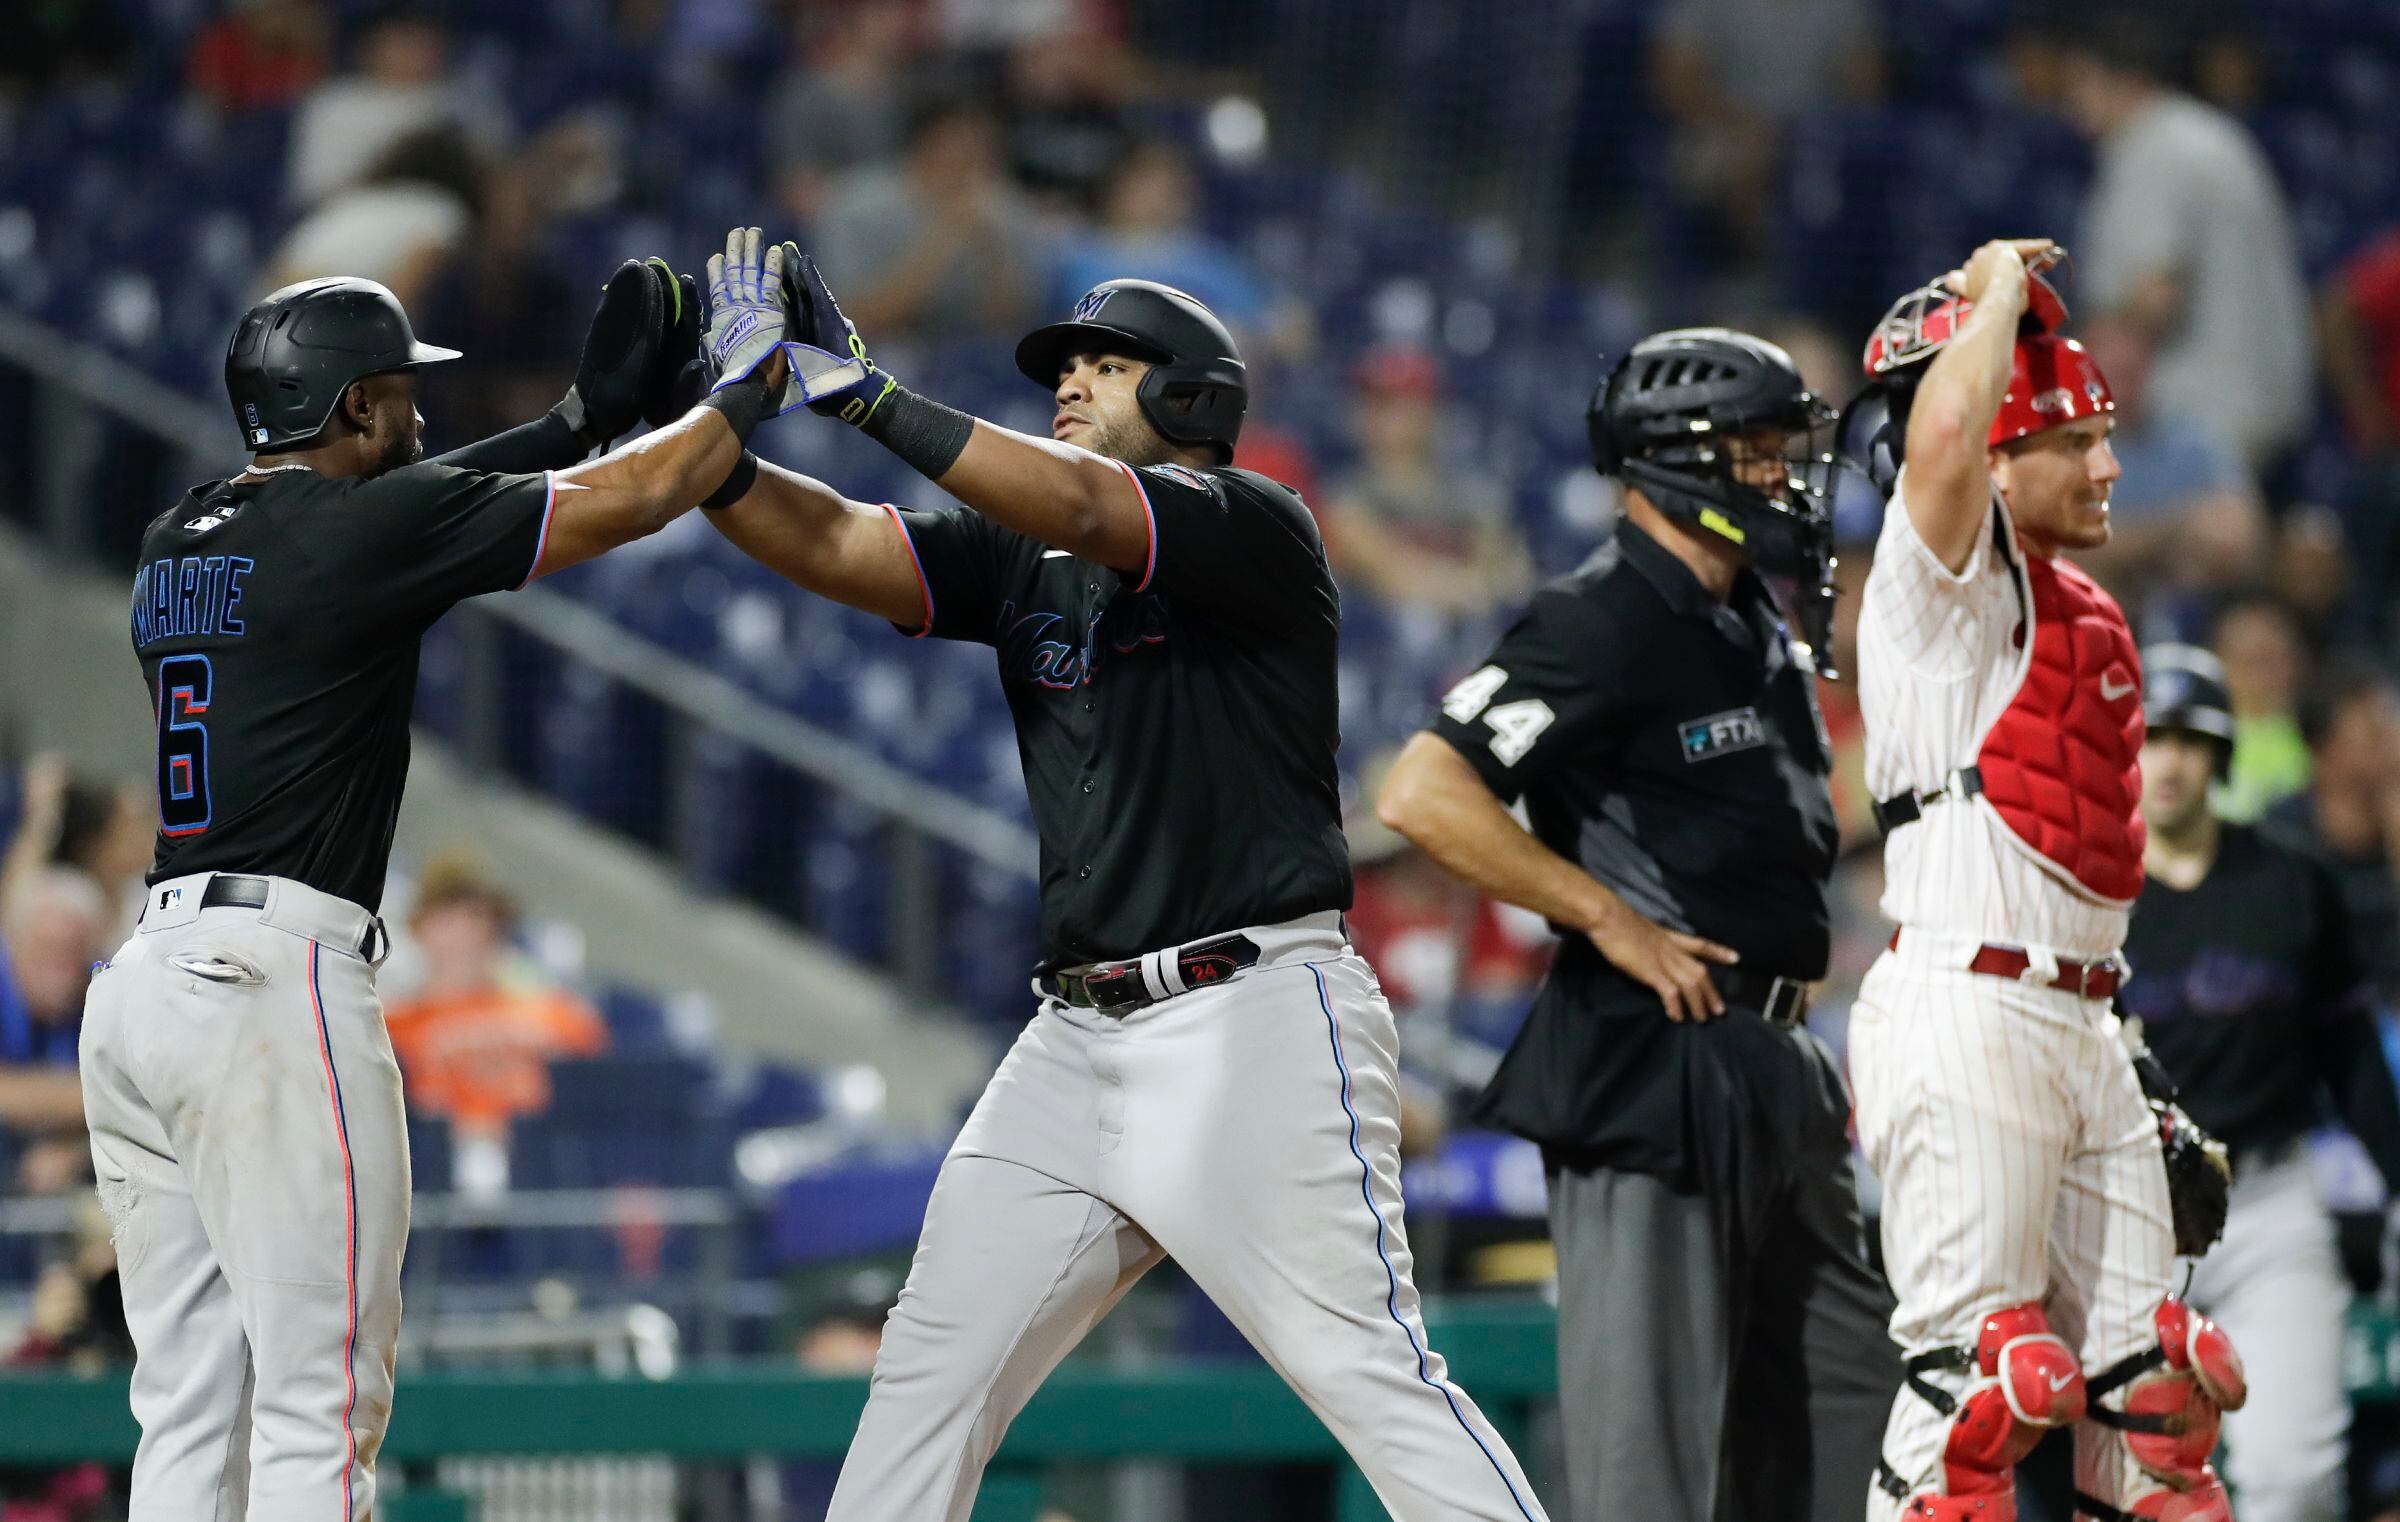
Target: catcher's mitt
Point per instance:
(2199, 1178)
(2199, 1175)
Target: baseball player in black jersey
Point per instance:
(1721, 1342)
(2252, 995)
(244, 1107)
(1210, 1073)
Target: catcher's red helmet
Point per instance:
(2051, 380)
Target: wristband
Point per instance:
(927, 436)
(745, 471)
(746, 403)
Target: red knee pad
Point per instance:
(2029, 1381)
(2206, 1501)
(2038, 1375)
(2193, 1342)
(2185, 1417)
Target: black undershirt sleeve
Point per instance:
(2348, 1044)
(546, 443)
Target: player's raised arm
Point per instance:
(1949, 490)
(815, 538)
(639, 489)
(1060, 493)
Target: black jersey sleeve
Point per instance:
(966, 566)
(426, 536)
(2348, 1046)
(1231, 542)
(1553, 690)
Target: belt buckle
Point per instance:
(1102, 981)
(2103, 966)
(1787, 1002)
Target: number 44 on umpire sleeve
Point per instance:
(1515, 726)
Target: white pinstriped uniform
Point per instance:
(2018, 1159)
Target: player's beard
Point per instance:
(1130, 439)
(405, 447)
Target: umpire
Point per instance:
(1722, 1349)
(2254, 998)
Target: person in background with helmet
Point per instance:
(1211, 1071)
(1661, 727)
(244, 1107)
(2252, 996)
(2027, 1219)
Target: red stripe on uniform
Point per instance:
(909, 544)
(1149, 520)
(541, 545)
(341, 1132)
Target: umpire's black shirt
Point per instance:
(2252, 993)
(277, 622)
(1177, 723)
(1670, 745)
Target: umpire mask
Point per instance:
(1676, 418)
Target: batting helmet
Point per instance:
(1663, 419)
(2183, 689)
(294, 354)
(1197, 388)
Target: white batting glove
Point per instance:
(747, 306)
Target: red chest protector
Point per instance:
(2062, 764)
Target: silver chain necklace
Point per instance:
(269, 470)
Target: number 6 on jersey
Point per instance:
(184, 686)
(1515, 726)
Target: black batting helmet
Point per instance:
(294, 354)
(1196, 390)
(2183, 689)
(1663, 419)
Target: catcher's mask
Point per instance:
(2052, 379)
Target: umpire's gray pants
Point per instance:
(1722, 1347)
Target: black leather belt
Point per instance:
(1118, 988)
(1784, 1001)
(226, 890)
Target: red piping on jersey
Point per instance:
(1149, 520)
(341, 1132)
(541, 545)
(916, 565)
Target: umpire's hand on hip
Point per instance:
(1670, 963)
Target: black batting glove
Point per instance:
(830, 368)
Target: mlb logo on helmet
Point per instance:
(1089, 307)
(258, 435)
